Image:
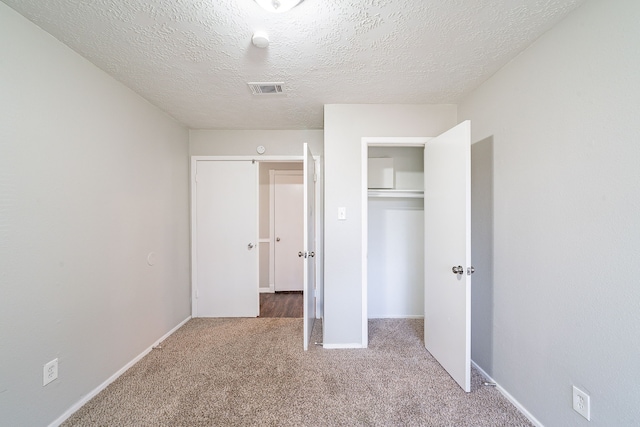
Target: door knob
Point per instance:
(250, 246)
(470, 270)
(312, 254)
(300, 255)
(457, 269)
(277, 239)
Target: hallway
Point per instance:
(281, 304)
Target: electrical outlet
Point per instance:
(50, 372)
(581, 403)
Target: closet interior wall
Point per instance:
(396, 238)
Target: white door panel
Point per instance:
(309, 246)
(447, 235)
(226, 239)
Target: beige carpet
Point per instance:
(253, 372)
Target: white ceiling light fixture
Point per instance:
(278, 6)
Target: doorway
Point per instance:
(215, 194)
(281, 237)
(447, 242)
(394, 214)
(280, 226)
(395, 232)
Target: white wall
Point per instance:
(482, 251)
(395, 277)
(203, 142)
(345, 125)
(92, 179)
(408, 165)
(563, 117)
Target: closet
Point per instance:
(395, 204)
(397, 251)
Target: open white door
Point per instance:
(226, 233)
(309, 249)
(447, 235)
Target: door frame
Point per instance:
(367, 142)
(318, 236)
(272, 220)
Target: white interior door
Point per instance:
(226, 237)
(447, 235)
(288, 230)
(309, 246)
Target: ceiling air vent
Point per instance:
(262, 88)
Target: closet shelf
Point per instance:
(407, 194)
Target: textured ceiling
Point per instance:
(193, 58)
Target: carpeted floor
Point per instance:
(253, 372)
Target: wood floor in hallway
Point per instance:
(281, 304)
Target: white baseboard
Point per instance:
(62, 418)
(341, 346)
(509, 397)
(399, 316)
(271, 289)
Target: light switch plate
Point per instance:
(342, 213)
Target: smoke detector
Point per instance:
(260, 39)
(266, 88)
